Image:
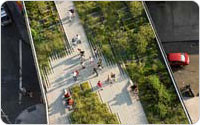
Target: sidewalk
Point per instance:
(116, 95)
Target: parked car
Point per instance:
(5, 18)
(178, 59)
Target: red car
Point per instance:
(178, 59)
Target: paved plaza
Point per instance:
(117, 95)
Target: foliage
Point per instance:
(123, 32)
(47, 34)
(88, 108)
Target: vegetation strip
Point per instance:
(123, 33)
(88, 108)
(48, 35)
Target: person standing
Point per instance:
(112, 76)
(71, 14)
(74, 42)
(83, 65)
(75, 75)
(78, 38)
(100, 85)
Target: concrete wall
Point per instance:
(175, 21)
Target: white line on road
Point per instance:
(20, 71)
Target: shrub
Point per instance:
(88, 108)
(130, 34)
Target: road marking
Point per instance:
(20, 71)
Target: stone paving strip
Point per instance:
(117, 95)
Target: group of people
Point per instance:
(76, 40)
(135, 91)
(69, 100)
(111, 78)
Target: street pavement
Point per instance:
(187, 75)
(117, 96)
(10, 74)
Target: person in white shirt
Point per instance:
(78, 38)
(91, 60)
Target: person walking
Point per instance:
(112, 76)
(74, 43)
(99, 64)
(75, 75)
(109, 80)
(91, 60)
(135, 91)
(100, 85)
(95, 52)
(81, 52)
(95, 71)
(71, 14)
(83, 65)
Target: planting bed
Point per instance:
(123, 33)
(48, 36)
(88, 108)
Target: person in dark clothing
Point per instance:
(95, 52)
(95, 71)
(112, 76)
(82, 53)
(72, 12)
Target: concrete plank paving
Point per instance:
(117, 95)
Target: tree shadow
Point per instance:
(177, 68)
(58, 106)
(66, 61)
(122, 98)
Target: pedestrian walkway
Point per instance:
(117, 95)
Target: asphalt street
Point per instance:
(187, 74)
(10, 73)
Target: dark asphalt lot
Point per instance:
(10, 73)
(187, 74)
